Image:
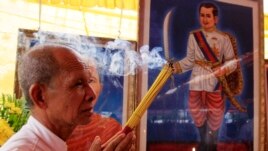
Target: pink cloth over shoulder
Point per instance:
(83, 135)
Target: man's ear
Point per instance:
(36, 92)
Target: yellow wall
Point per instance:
(265, 7)
(94, 21)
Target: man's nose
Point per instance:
(90, 93)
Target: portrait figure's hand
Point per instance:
(219, 71)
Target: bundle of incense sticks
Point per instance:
(148, 98)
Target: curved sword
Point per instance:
(166, 44)
(166, 33)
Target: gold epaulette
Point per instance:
(222, 33)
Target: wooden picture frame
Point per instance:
(243, 19)
(115, 101)
(265, 105)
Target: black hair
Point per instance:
(210, 5)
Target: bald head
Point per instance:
(41, 63)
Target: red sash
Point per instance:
(206, 50)
(204, 46)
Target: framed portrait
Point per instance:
(116, 97)
(170, 122)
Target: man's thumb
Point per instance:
(96, 144)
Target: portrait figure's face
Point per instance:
(207, 19)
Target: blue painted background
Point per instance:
(168, 116)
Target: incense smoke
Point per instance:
(115, 58)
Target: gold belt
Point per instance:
(204, 63)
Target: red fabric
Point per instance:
(206, 106)
(205, 47)
(83, 135)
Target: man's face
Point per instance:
(69, 95)
(207, 19)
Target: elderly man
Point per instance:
(104, 127)
(56, 84)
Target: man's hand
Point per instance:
(119, 142)
(96, 144)
(176, 68)
(219, 71)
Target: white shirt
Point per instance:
(34, 136)
(201, 78)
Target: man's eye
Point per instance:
(91, 80)
(79, 83)
(208, 16)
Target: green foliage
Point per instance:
(13, 115)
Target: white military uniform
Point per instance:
(202, 78)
